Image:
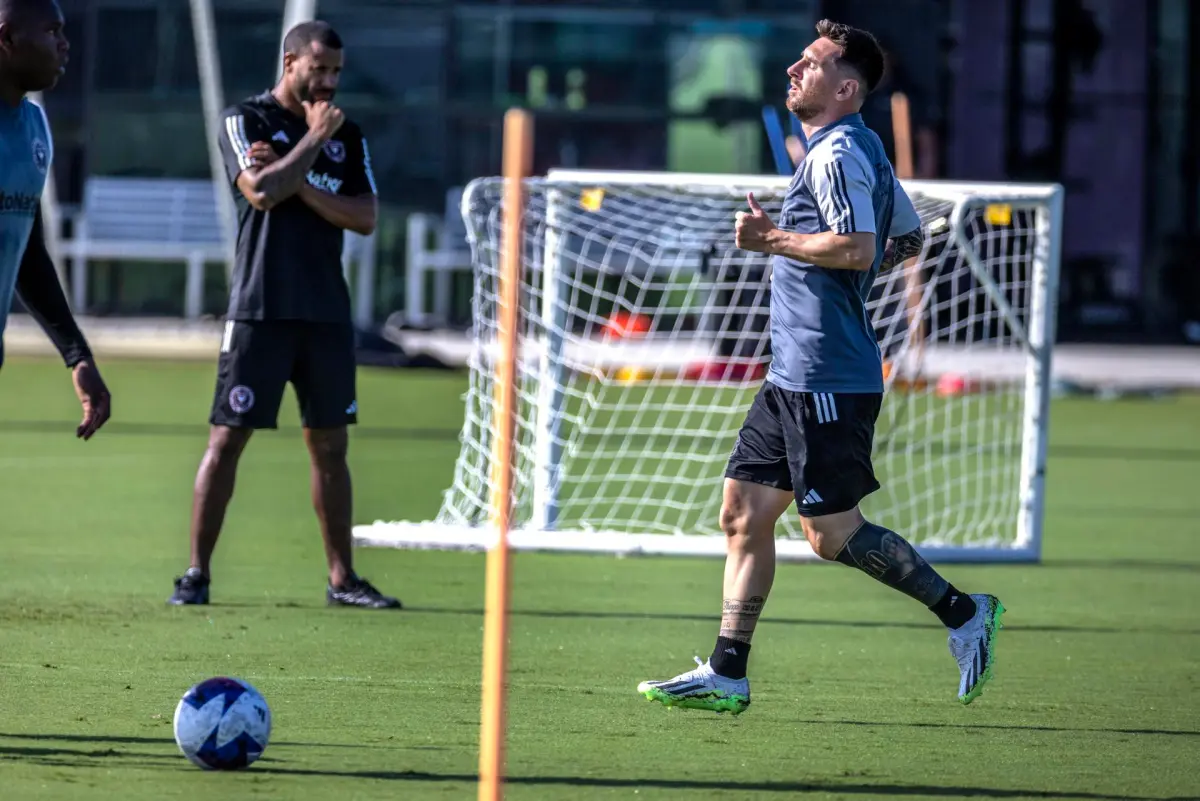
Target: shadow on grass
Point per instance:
(701, 785)
(32, 752)
(64, 758)
(200, 430)
(566, 614)
(119, 739)
(73, 758)
(577, 614)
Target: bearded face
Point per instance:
(814, 80)
(806, 102)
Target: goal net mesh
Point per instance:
(645, 334)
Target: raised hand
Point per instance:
(753, 229)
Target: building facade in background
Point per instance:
(1097, 94)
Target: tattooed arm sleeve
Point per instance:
(902, 248)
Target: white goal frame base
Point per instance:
(441, 537)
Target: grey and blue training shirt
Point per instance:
(822, 339)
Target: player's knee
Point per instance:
(828, 534)
(824, 545)
(225, 443)
(740, 520)
(328, 447)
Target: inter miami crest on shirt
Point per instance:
(335, 150)
(41, 155)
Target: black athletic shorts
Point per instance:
(258, 359)
(816, 445)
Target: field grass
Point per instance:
(1097, 694)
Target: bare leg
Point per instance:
(332, 496)
(748, 516)
(213, 490)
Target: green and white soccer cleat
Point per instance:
(973, 646)
(700, 689)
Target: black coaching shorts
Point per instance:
(815, 445)
(258, 359)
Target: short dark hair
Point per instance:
(860, 49)
(18, 9)
(303, 36)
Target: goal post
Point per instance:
(645, 334)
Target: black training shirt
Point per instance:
(288, 264)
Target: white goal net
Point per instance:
(645, 335)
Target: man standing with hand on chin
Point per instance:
(301, 175)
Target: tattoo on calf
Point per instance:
(738, 618)
(902, 248)
(889, 558)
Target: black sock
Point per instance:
(729, 658)
(955, 609)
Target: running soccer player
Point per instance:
(301, 175)
(33, 54)
(808, 434)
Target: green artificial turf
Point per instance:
(1096, 696)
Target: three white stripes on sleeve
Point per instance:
(235, 129)
(840, 197)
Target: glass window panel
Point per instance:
(125, 68)
(610, 5)
(473, 75)
(588, 64)
(393, 54)
(248, 41)
(392, 87)
(600, 145)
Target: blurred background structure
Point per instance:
(1100, 95)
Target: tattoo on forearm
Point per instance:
(902, 248)
(909, 244)
(286, 176)
(738, 618)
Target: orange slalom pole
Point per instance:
(518, 158)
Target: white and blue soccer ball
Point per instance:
(222, 724)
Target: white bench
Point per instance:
(147, 219)
(172, 219)
(448, 254)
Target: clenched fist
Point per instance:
(323, 118)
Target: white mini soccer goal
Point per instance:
(644, 336)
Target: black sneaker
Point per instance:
(358, 591)
(190, 589)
